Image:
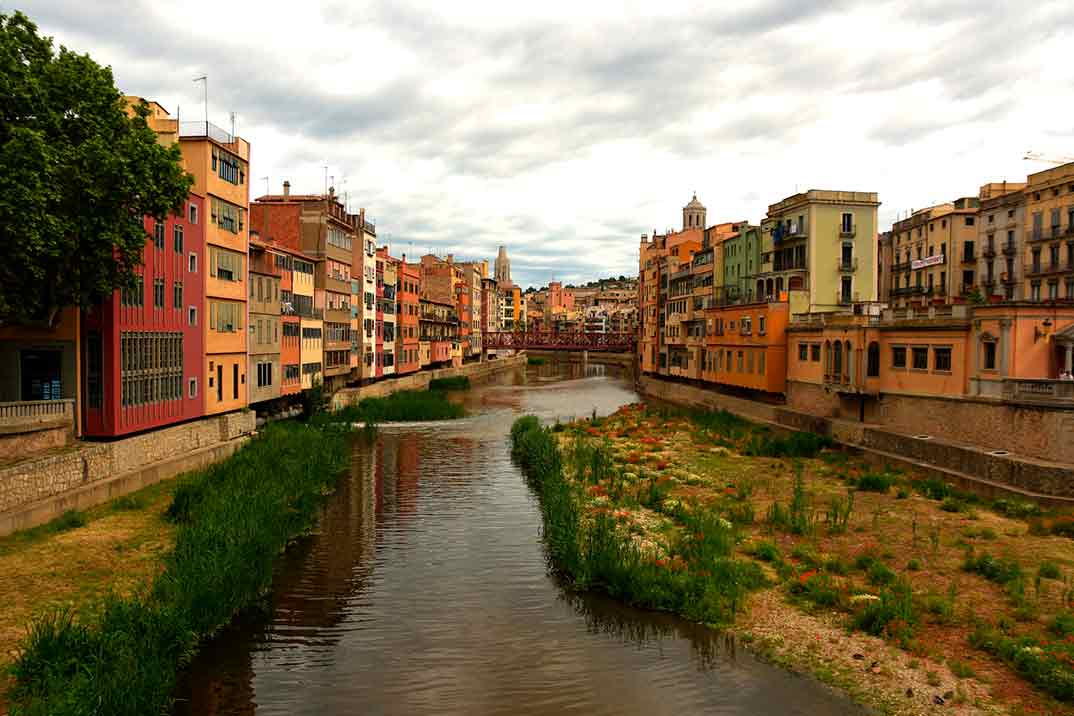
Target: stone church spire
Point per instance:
(502, 271)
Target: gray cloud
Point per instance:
(745, 85)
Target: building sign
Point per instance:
(930, 261)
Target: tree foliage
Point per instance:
(78, 174)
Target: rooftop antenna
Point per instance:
(233, 126)
(205, 79)
(326, 179)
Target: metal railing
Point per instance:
(205, 129)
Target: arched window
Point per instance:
(760, 289)
(827, 358)
(837, 360)
(848, 364)
(873, 369)
(779, 285)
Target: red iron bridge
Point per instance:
(559, 341)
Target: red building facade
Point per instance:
(144, 346)
(407, 338)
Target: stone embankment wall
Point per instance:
(36, 490)
(626, 360)
(1042, 432)
(968, 463)
(476, 372)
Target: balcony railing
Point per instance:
(1039, 390)
(205, 129)
(1035, 234)
(846, 266)
(1042, 269)
(848, 232)
(989, 251)
(969, 258)
(1009, 249)
(34, 414)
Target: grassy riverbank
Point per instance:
(402, 407)
(120, 654)
(899, 590)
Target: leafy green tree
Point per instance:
(78, 174)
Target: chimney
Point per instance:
(286, 189)
(451, 258)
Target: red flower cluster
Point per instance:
(806, 576)
(597, 490)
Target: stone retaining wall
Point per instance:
(48, 479)
(476, 372)
(965, 462)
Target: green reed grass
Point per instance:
(234, 519)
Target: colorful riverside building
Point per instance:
(365, 266)
(266, 322)
(1049, 235)
(934, 254)
(438, 332)
(408, 293)
(387, 277)
(143, 347)
(219, 163)
(320, 227)
(823, 242)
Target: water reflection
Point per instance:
(426, 590)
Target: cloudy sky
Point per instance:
(564, 130)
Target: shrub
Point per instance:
(913, 565)
(933, 488)
(403, 406)
(1062, 624)
(892, 614)
(880, 574)
(69, 520)
(766, 552)
(875, 482)
(1048, 666)
(839, 511)
(129, 503)
(1001, 571)
(1049, 570)
(458, 382)
(800, 445)
(1016, 508)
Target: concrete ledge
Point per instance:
(49, 508)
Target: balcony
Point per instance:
(969, 258)
(843, 299)
(1040, 269)
(848, 265)
(1007, 278)
(848, 232)
(989, 252)
(1035, 234)
(1009, 249)
(1051, 392)
(27, 416)
(1057, 231)
(897, 267)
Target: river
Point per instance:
(426, 591)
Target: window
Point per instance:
(225, 265)
(920, 357)
(151, 367)
(228, 167)
(192, 387)
(158, 235)
(228, 216)
(760, 362)
(1034, 291)
(873, 360)
(234, 381)
(970, 221)
(134, 295)
(177, 294)
(158, 293)
(761, 321)
(264, 375)
(803, 351)
(814, 353)
(847, 223)
(941, 359)
(193, 267)
(225, 316)
(988, 357)
(898, 356)
(192, 316)
(177, 238)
